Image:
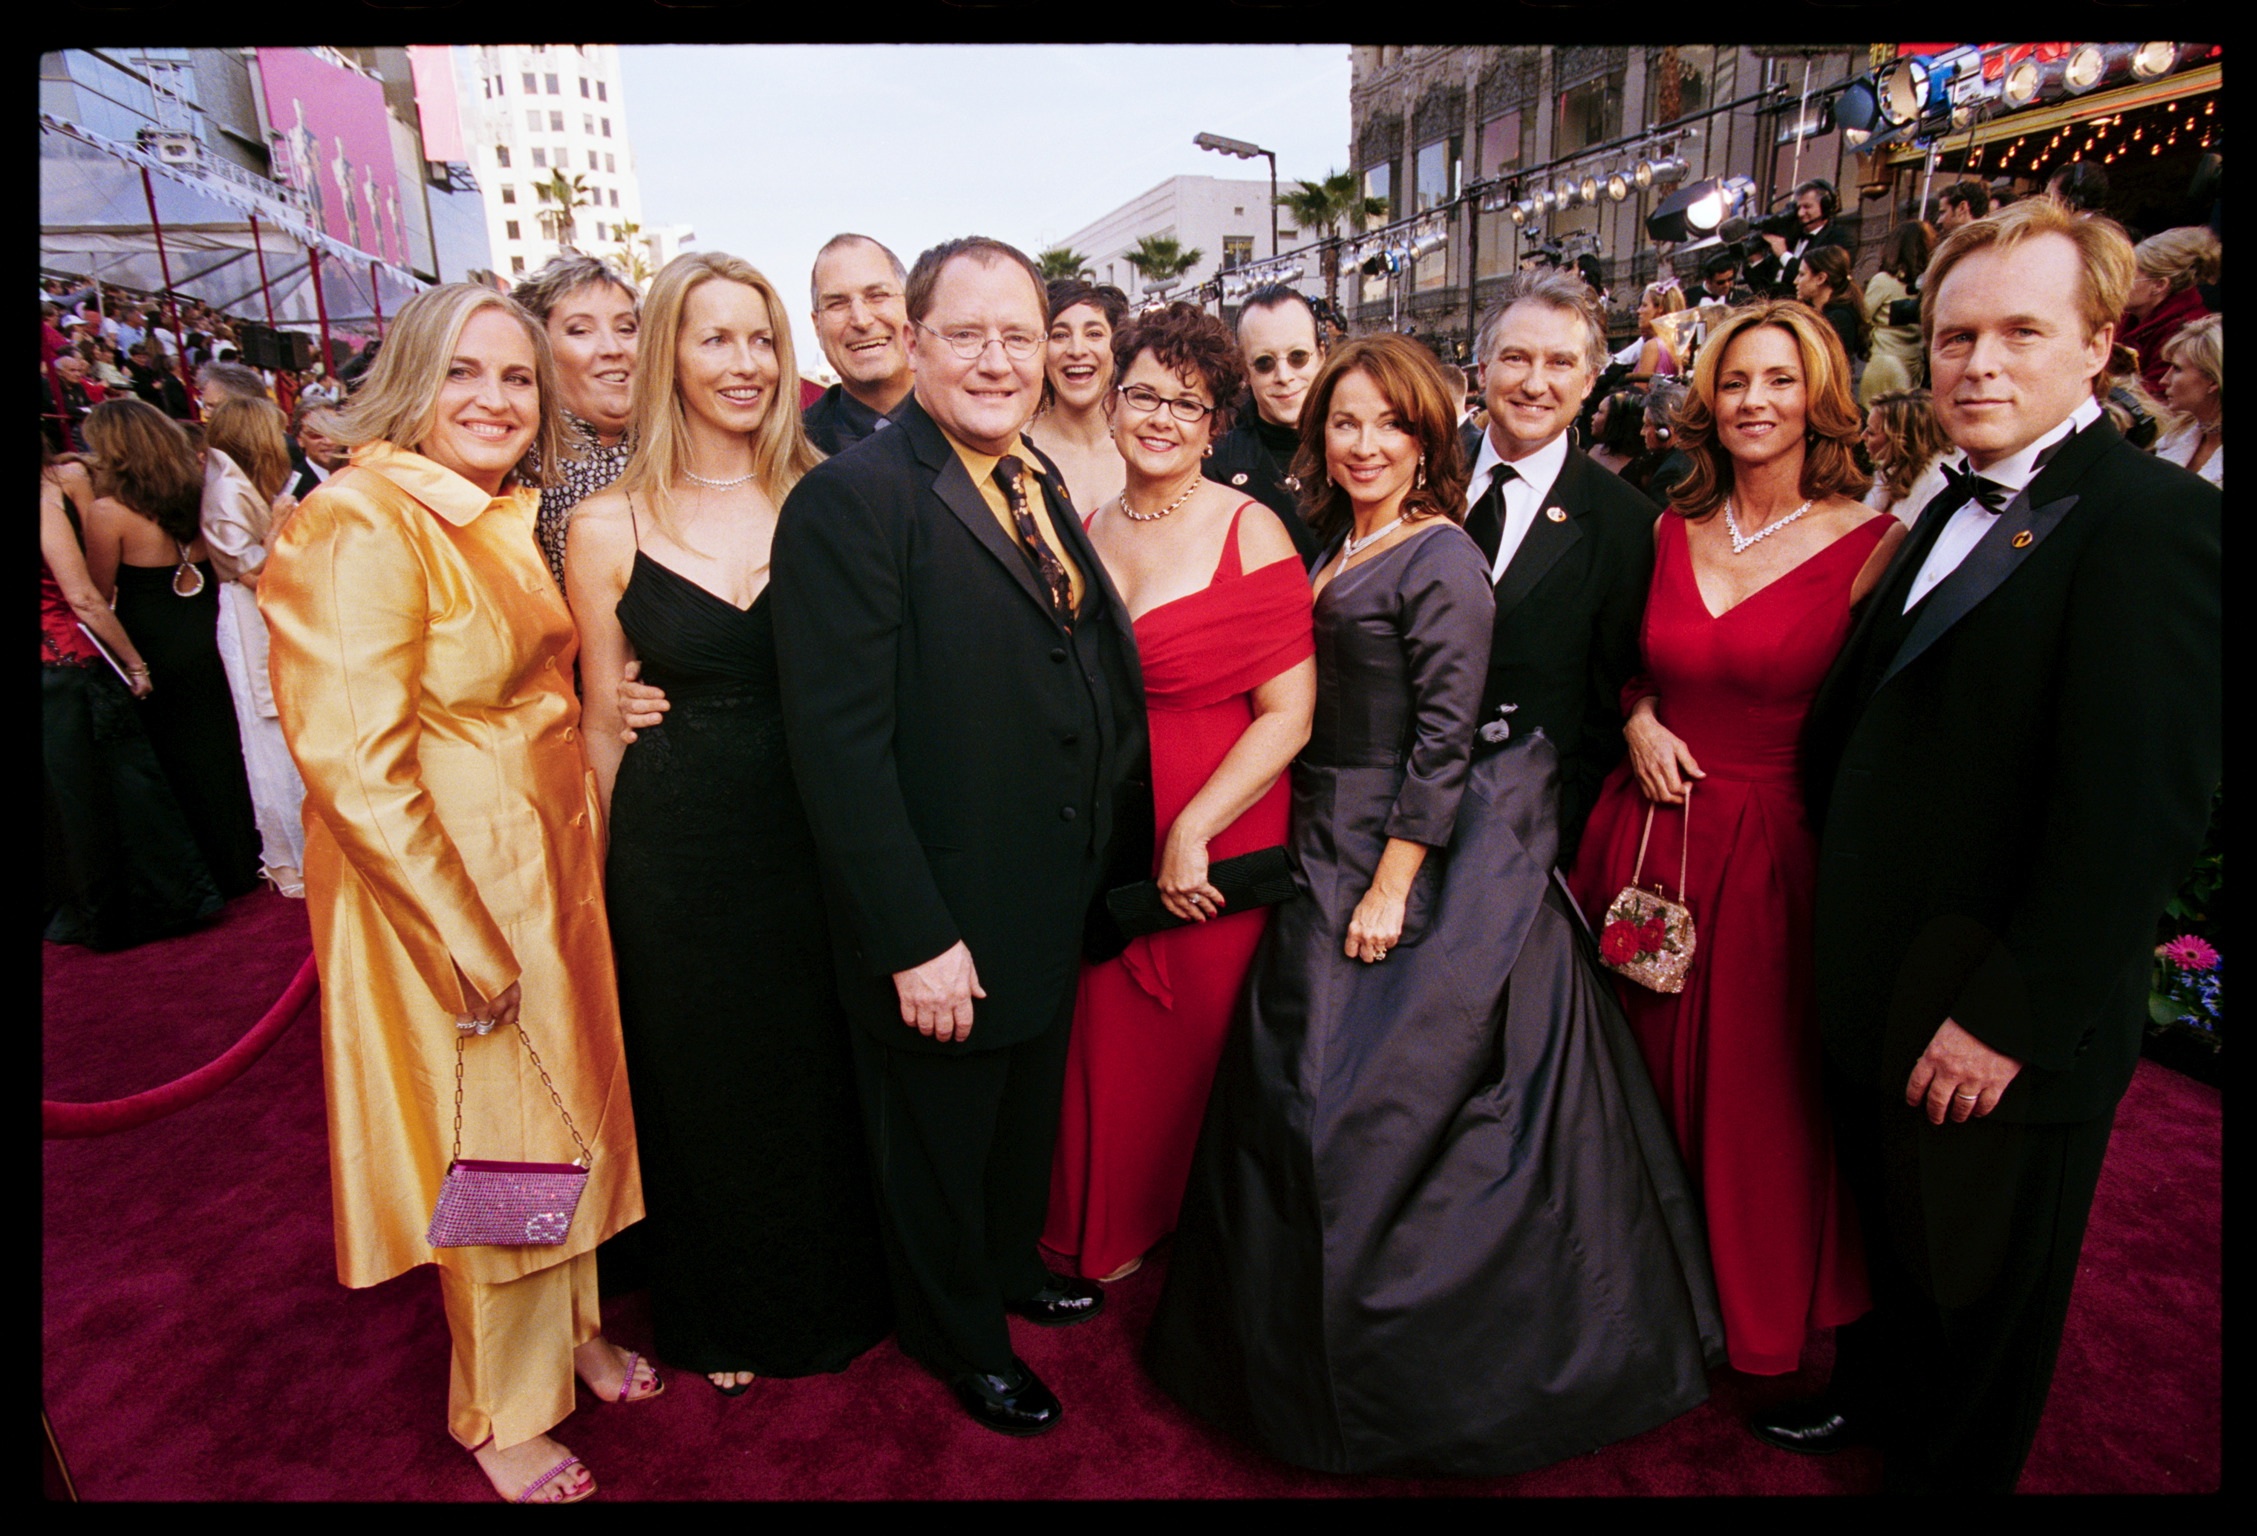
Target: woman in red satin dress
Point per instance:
(1760, 562)
(1221, 610)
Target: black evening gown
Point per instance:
(1436, 1222)
(190, 717)
(762, 1239)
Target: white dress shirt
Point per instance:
(1524, 493)
(2178, 447)
(1972, 521)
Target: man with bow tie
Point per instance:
(1570, 546)
(2010, 767)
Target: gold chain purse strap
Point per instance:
(586, 1159)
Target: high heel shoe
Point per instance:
(294, 888)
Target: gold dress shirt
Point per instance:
(981, 467)
(422, 661)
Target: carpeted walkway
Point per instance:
(196, 1344)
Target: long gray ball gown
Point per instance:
(1435, 1223)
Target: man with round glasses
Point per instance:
(962, 698)
(1277, 336)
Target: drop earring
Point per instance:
(1418, 481)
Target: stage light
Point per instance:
(2151, 61)
(1526, 211)
(1666, 172)
(1563, 196)
(1618, 186)
(1810, 122)
(1902, 90)
(1858, 108)
(1588, 189)
(2086, 68)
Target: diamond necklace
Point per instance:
(1741, 544)
(1135, 516)
(718, 485)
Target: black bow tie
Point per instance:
(1966, 486)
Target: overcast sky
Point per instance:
(768, 151)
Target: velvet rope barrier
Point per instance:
(59, 1121)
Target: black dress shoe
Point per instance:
(1014, 1403)
(1064, 1301)
(1816, 1426)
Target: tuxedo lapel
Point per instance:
(2020, 529)
(2025, 524)
(952, 483)
(1547, 538)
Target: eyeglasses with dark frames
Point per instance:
(1182, 407)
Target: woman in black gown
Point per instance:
(1435, 1222)
(145, 548)
(762, 1232)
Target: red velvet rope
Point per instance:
(60, 1121)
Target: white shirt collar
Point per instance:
(1537, 470)
(2019, 468)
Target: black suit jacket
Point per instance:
(1566, 639)
(962, 754)
(2011, 780)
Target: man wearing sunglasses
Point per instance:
(1277, 335)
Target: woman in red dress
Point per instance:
(1221, 608)
(1760, 561)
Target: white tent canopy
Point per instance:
(94, 221)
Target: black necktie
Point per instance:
(1048, 568)
(1486, 522)
(1964, 485)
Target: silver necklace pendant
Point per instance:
(1350, 544)
(1742, 543)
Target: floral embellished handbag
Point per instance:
(506, 1205)
(1647, 937)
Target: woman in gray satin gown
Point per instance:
(1436, 1222)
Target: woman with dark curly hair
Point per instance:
(1434, 1224)
(1759, 562)
(145, 550)
(1221, 609)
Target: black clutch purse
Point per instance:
(1262, 878)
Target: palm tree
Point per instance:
(1159, 260)
(559, 195)
(1063, 261)
(631, 258)
(1326, 205)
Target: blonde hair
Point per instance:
(1830, 414)
(250, 433)
(2201, 345)
(658, 425)
(2178, 258)
(398, 401)
(1908, 423)
(2104, 258)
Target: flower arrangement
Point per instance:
(2187, 985)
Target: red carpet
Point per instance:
(196, 1344)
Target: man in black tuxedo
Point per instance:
(962, 698)
(1570, 545)
(2010, 766)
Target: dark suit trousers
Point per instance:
(1971, 1238)
(961, 1146)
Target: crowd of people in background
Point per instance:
(1095, 774)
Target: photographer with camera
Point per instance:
(1789, 236)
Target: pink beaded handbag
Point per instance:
(1646, 936)
(485, 1204)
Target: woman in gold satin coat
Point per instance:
(422, 664)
